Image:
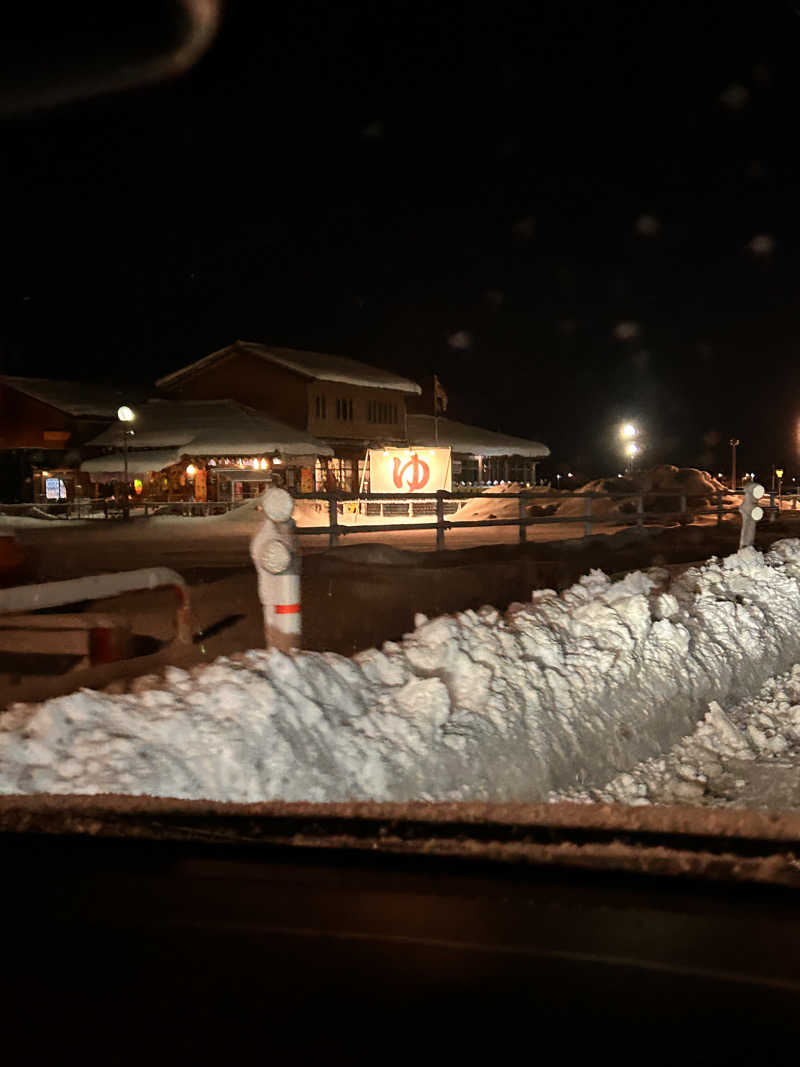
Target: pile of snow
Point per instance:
(601, 508)
(479, 509)
(715, 764)
(36, 517)
(664, 486)
(560, 691)
(695, 483)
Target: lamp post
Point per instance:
(734, 442)
(779, 472)
(125, 415)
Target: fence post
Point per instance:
(684, 510)
(439, 520)
(640, 509)
(333, 520)
(523, 514)
(587, 522)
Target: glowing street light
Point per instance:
(628, 430)
(632, 450)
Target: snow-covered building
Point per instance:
(216, 450)
(349, 405)
(479, 456)
(44, 426)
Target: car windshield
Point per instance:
(399, 407)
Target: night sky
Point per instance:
(571, 212)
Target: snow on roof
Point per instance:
(78, 398)
(142, 462)
(320, 366)
(212, 427)
(471, 439)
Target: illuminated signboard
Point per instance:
(54, 489)
(410, 470)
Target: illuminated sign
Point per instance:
(410, 470)
(54, 489)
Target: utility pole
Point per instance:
(734, 443)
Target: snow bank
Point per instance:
(665, 485)
(563, 690)
(478, 509)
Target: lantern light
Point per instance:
(191, 470)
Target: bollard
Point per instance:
(751, 513)
(274, 552)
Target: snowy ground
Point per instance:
(561, 692)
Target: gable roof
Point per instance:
(212, 427)
(319, 366)
(81, 399)
(471, 439)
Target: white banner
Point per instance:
(410, 470)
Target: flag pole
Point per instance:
(435, 410)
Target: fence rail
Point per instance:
(443, 508)
(638, 517)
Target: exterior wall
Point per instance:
(252, 381)
(290, 397)
(339, 411)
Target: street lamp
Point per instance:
(632, 450)
(628, 430)
(125, 415)
(779, 472)
(734, 443)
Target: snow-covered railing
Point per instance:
(25, 599)
(589, 519)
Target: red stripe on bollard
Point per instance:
(287, 609)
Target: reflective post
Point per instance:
(751, 513)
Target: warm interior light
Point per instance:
(191, 470)
(212, 463)
(254, 464)
(277, 461)
(263, 464)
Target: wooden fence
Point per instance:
(522, 520)
(444, 510)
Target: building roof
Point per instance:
(210, 428)
(471, 439)
(152, 459)
(80, 399)
(319, 366)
